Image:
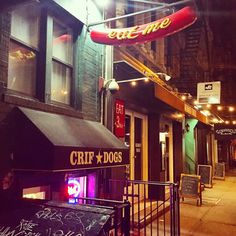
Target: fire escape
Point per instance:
(194, 67)
(190, 70)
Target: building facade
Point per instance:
(51, 132)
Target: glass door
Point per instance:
(136, 140)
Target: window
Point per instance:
(62, 51)
(22, 69)
(23, 50)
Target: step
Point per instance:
(149, 217)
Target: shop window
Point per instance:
(23, 49)
(40, 192)
(62, 63)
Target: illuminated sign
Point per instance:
(209, 92)
(78, 158)
(76, 189)
(73, 188)
(119, 119)
(147, 32)
(224, 132)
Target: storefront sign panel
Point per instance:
(209, 92)
(119, 119)
(224, 132)
(147, 32)
(75, 158)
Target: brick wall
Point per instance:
(4, 45)
(89, 70)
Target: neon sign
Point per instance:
(147, 32)
(73, 188)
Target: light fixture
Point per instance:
(111, 85)
(132, 80)
(164, 75)
(215, 120)
(231, 109)
(185, 96)
(219, 108)
(205, 112)
(187, 127)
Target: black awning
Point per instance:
(35, 217)
(47, 141)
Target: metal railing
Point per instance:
(119, 212)
(154, 206)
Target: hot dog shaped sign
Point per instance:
(147, 32)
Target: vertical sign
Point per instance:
(208, 93)
(119, 119)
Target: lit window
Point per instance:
(22, 69)
(23, 50)
(62, 64)
(61, 83)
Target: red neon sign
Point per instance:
(147, 32)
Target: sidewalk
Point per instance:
(217, 215)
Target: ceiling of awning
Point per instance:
(124, 71)
(47, 141)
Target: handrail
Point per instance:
(155, 209)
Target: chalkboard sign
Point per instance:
(219, 171)
(190, 187)
(205, 171)
(24, 219)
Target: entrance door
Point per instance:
(136, 139)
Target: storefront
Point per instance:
(54, 156)
(155, 125)
(225, 136)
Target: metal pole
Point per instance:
(139, 12)
(127, 219)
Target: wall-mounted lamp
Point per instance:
(187, 127)
(164, 76)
